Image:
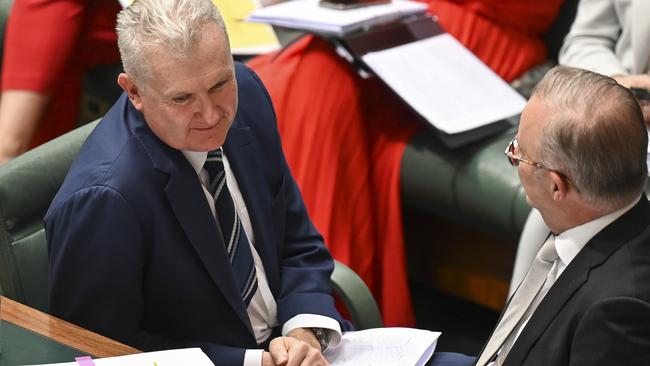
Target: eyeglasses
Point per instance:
(514, 160)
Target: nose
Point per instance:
(207, 110)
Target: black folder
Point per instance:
(396, 33)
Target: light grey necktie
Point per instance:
(524, 301)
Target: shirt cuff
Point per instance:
(253, 357)
(315, 321)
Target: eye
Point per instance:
(180, 99)
(220, 85)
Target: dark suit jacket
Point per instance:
(598, 310)
(136, 255)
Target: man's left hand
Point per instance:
(299, 348)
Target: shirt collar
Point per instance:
(570, 242)
(196, 159)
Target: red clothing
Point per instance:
(344, 137)
(49, 46)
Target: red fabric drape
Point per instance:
(344, 137)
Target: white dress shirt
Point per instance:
(570, 242)
(262, 310)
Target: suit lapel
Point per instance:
(240, 152)
(640, 34)
(629, 226)
(188, 202)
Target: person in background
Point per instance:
(182, 212)
(612, 37)
(345, 136)
(48, 48)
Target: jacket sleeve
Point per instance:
(592, 39)
(98, 258)
(613, 331)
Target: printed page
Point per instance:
(384, 347)
(186, 356)
(446, 84)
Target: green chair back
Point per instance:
(27, 186)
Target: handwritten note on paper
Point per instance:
(446, 84)
(384, 347)
(185, 356)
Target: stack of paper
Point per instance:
(384, 347)
(308, 15)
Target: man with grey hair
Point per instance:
(581, 157)
(179, 223)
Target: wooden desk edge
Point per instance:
(61, 331)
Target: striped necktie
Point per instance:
(234, 237)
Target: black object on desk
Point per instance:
(350, 4)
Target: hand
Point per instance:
(633, 81)
(294, 351)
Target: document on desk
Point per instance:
(384, 347)
(445, 83)
(185, 356)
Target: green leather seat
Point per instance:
(27, 186)
(473, 185)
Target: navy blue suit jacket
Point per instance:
(135, 253)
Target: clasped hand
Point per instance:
(298, 348)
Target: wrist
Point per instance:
(323, 337)
(305, 335)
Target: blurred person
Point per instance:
(48, 48)
(612, 37)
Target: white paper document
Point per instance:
(308, 15)
(446, 84)
(384, 347)
(185, 356)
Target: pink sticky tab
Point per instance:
(85, 361)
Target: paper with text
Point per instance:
(446, 84)
(384, 347)
(185, 356)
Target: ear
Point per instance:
(559, 186)
(128, 85)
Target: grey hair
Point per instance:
(595, 134)
(174, 25)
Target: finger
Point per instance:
(278, 351)
(314, 358)
(298, 351)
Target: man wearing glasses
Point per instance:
(581, 157)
